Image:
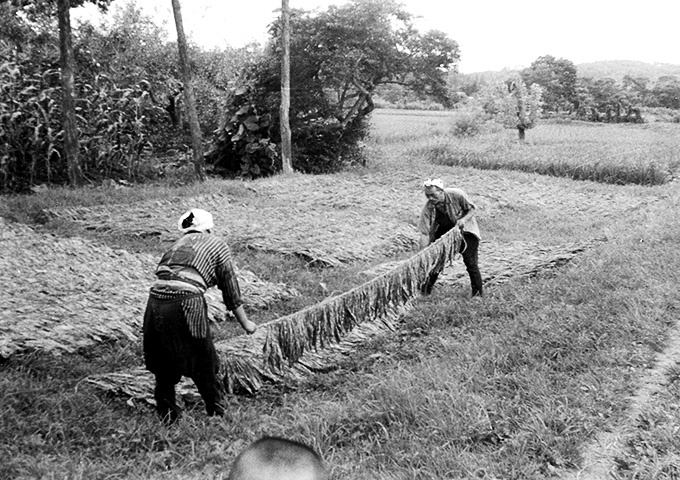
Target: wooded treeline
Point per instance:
(130, 109)
(129, 96)
(588, 98)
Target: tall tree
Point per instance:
(190, 101)
(338, 59)
(286, 147)
(666, 92)
(605, 92)
(69, 106)
(635, 89)
(351, 49)
(557, 77)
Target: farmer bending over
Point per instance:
(447, 208)
(177, 339)
(272, 458)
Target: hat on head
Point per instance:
(195, 219)
(434, 182)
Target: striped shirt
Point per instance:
(211, 258)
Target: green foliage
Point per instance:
(603, 91)
(557, 78)
(115, 131)
(619, 69)
(113, 124)
(326, 146)
(30, 138)
(513, 104)
(128, 96)
(469, 119)
(338, 59)
(401, 97)
(244, 145)
(666, 92)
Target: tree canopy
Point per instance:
(338, 58)
(513, 104)
(352, 49)
(557, 77)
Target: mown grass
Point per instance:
(510, 387)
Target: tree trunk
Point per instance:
(70, 125)
(194, 127)
(286, 147)
(521, 131)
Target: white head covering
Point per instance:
(195, 219)
(434, 182)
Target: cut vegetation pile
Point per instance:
(323, 220)
(64, 294)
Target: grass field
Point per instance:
(520, 385)
(646, 154)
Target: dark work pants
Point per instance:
(170, 352)
(469, 249)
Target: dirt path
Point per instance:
(602, 455)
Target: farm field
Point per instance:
(568, 368)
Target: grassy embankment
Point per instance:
(514, 386)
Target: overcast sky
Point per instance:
(492, 34)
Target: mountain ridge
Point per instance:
(615, 69)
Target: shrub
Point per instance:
(324, 146)
(248, 140)
(468, 121)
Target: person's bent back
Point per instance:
(272, 458)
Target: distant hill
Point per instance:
(489, 76)
(617, 69)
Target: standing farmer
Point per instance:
(447, 208)
(177, 338)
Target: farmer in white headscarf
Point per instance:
(445, 209)
(177, 338)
